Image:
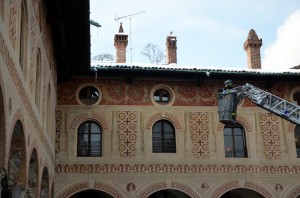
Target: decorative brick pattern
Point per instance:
(269, 125)
(20, 88)
(33, 55)
(108, 189)
(258, 189)
(73, 189)
(78, 120)
(239, 119)
(13, 22)
(291, 128)
(58, 130)
(245, 123)
(185, 189)
(85, 116)
(160, 116)
(153, 188)
(295, 193)
(127, 123)
(199, 128)
(102, 120)
(225, 188)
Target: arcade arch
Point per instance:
(17, 161)
(44, 193)
(91, 193)
(241, 193)
(169, 193)
(33, 175)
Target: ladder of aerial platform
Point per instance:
(229, 99)
(272, 103)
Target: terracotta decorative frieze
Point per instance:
(119, 92)
(127, 128)
(179, 168)
(199, 131)
(269, 125)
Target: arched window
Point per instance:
(23, 36)
(89, 142)
(49, 112)
(235, 141)
(297, 140)
(38, 79)
(163, 137)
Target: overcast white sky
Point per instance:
(210, 33)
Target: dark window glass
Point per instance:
(235, 141)
(163, 137)
(89, 95)
(297, 140)
(89, 140)
(162, 96)
(23, 35)
(296, 97)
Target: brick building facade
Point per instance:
(132, 130)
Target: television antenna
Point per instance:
(130, 36)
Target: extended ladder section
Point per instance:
(272, 103)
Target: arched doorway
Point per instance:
(241, 193)
(17, 161)
(33, 175)
(91, 194)
(44, 193)
(169, 193)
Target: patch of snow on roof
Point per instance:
(102, 64)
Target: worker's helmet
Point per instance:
(228, 82)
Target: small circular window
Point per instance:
(89, 95)
(162, 95)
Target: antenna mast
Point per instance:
(130, 36)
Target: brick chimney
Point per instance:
(120, 43)
(171, 57)
(252, 47)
